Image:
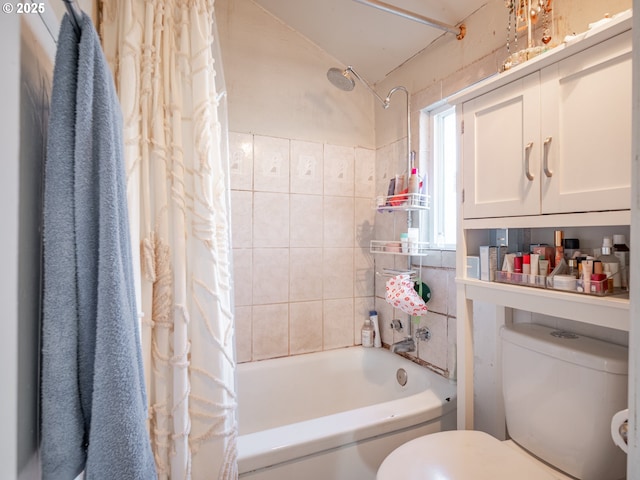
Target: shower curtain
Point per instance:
(166, 63)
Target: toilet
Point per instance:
(560, 392)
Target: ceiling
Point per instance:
(374, 42)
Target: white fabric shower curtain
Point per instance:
(165, 59)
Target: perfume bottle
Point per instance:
(559, 242)
(621, 250)
(610, 262)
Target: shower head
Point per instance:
(341, 79)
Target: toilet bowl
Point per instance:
(463, 455)
(559, 430)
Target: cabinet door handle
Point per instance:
(545, 164)
(527, 152)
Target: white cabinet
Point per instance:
(586, 121)
(555, 141)
(500, 151)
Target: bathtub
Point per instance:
(336, 414)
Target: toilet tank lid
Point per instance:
(578, 349)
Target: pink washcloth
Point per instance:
(402, 295)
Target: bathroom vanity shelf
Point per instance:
(608, 311)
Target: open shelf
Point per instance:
(607, 311)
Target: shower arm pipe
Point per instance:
(383, 101)
(409, 156)
(385, 104)
(459, 32)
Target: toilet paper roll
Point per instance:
(619, 424)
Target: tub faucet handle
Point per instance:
(396, 324)
(423, 333)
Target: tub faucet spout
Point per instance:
(403, 346)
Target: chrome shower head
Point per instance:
(341, 79)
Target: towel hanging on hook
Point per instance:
(75, 14)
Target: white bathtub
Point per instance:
(335, 414)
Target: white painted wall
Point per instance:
(633, 459)
(25, 86)
(9, 139)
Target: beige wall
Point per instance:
(293, 292)
(277, 82)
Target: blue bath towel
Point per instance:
(94, 407)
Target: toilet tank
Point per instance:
(560, 392)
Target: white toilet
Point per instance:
(560, 392)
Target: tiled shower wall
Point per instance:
(302, 220)
(303, 217)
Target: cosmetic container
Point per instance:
(621, 250)
(373, 318)
(559, 242)
(404, 242)
(610, 262)
(367, 333)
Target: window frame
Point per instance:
(431, 119)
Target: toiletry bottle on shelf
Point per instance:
(610, 262)
(404, 242)
(559, 241)
(573, 268)
(414, 184)
(413, 234)
(367, 333)
(621, 251)
(373, 318)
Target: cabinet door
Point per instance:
(586, 122)
(500, 151)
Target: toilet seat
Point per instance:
(461, 455)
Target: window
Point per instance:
(438, 137)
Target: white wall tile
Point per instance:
(338, 277)
(451, 347)
(241, 219)
(305, 327)
(339, 222)
(438, 281)
(384, 168)
(305, 274)
(339, 170)
(270, 275)
(338, 330)
(365, 173)
(364, 273)
(241, 160)
(270, 164)
(306, 221)
(434, 350)
(243, 334)
(270, 219)
(270, 326)
(365, 216)
(243, 276)
(385, 315)
(307, 171)
(451, 293)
